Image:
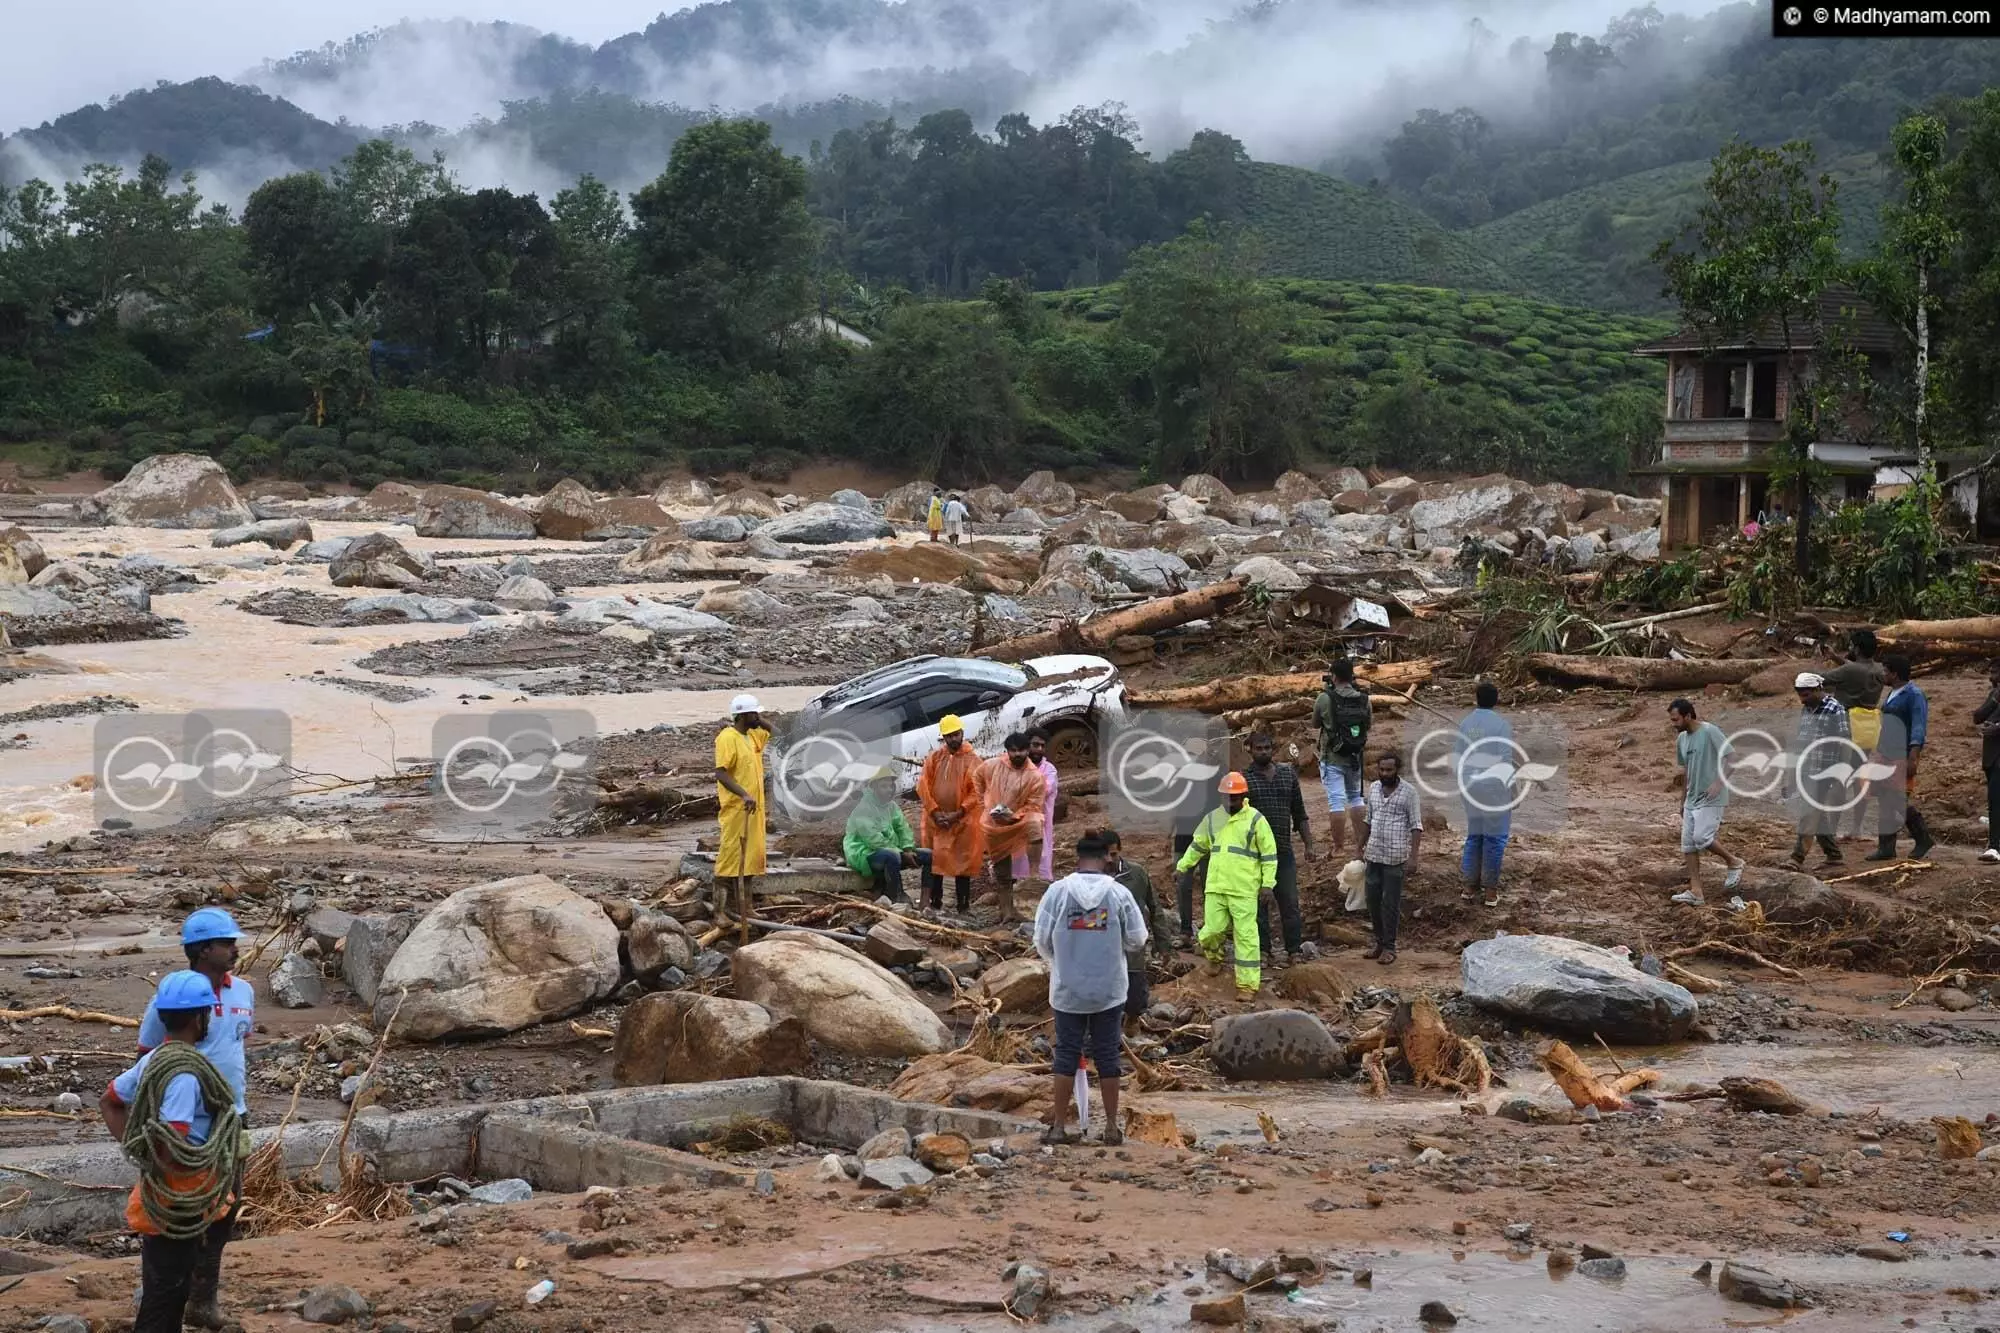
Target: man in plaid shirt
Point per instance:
(1821, 718)
(1395, 829)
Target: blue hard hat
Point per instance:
(210, 923)
(184, 990)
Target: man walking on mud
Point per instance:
(1235, 840)
(1821, 718)
(1395, 833)
(1906, 715)
(1343, 715)
(1698, 751)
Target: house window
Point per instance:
(1764, 391)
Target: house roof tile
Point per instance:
(1841, 313)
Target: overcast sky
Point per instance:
(59, 56)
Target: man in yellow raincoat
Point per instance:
(1242, 855)
(949, 791)
(739, 788)
(934, 520)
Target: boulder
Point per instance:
(277, 831)
(64, 575)
(1343, 479)
(1202, 486)
(1445, 511)
(746, 504)
(1261, 571)
(12, 573)
(327, 927)
(684, 493)
(1023, 520)
(1350, 502)
(334, 1305)
(893, 946)
(849, 498)
(963, 1079)
(654, 617)
(847, 1003)
(28, 557)
(655, 943)
(529, 594)
(894, 1173)
(568, 513)
(1274, 1045)
(894, 1141)
(498, 957)
(744, 604)
(943, 1152)
(460, 512)
(18, 601)
(910, 502)
(927, 562)
(1564, 985)
(1135, 508)
(766, 548)
(391, 501)
(1186, 509)
(371, 942)
(1296, 488)
(1147, 569)
(416, 610)
(1312, 513)
(988, 503)
(1021, 985)
(280, 534)
(1267, 516)
(1319, 981)
(296, 983)
(1639, 545)
(1046, 495)
(715, 528)
(685, 1037)
(170, 491)
(325, 550)
(378, 560)
(825, 524)
(135, 595)
(1754, 1286)
(620, 516)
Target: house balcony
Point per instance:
(1724, 430)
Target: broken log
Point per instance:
(1637, 673)
(1094, 636)
(1766, 1095)
(644, 801)
(65, 1011)
(1246, 692)
(1971, 637)
(1583, 1087)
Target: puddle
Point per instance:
(1497, 1292)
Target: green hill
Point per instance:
(1318, 226)
(1594, 246)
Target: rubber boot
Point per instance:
(203, 1311)
(1885, 849)
(1921, 832)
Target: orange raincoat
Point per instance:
(951, 782)
(1020, 790)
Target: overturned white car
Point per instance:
(891, 715)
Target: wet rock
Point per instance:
(512, 1190)
(824, 524)
(747, 504)
(830, 1171)
(944, 1152)
(1032, 1289)
(498, 957)
(1261, 571)
(568, 513)
(378, 560)
(892, 1142)
(751, 605)
(1437, 1314)
(327, 927)
(1219, 1310)
(280, 534)
(371, 942)
(170, 491)
(847, 1002)
(473, 1316)
(21, 556)
(324, 550)
(416, 610)
(458, 511)
(1021, 985)
(135, 595)
(849, 498)
(894, 1173)
(1274, 1045)
(66, 577)
(277, 831)
(653, 617)
(684, 493)
(65, 1323)
(1605, 1270)
(296, 983)
(1754, 1286)
(334, 1304)
(893, 946)
(529, 594)
(351, 1086)
(656, 943)
(1023, 520)
(1953, 1000)
(1206, 487)
(1885, 1253)
(19, 601)
(715, 528)
(1589, 1251)
(1147, 569)
(1568, 986)
(683, 1037)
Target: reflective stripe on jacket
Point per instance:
(1242, 851)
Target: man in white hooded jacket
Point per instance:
(1086, 925)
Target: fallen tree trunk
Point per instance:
(1248, 692)
(1093, 636)
(1637, 673)
(1972, 637)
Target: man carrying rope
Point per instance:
(175, 1115)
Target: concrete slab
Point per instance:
(805, 1256)
(567, 1159)
(804, 875)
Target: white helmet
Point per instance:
(744, 703)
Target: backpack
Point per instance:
(1352, 714)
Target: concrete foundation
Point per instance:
(624, 1136)
(781, 876)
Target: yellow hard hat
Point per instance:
(950, 725)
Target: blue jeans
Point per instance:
(888, 867)
(1480, 863)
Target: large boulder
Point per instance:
(655, 943)
(372, 942)
(1046, 495)
(1445, 511)
(1296, 488)
(1021, 985)
(171, 491)
(684, 493)
(746, 504)
(1344, 479)
(27, 556)
(825, 524)
(415, 609)
(629, 516)
(378, 560)
(654, 617)
(67, 576)
(1565, 985)
(499, 957)
(524, 592)
(568, 513)
(1146, 569)
(280, 534)
(683, 1037)
(847, 1002)
(391, 501)
(460, 512)
(1274, 1045)
(1136, 508)
(17, 601)
(715, 528)
(1202, 486)
(1273, 575)
(849, 498)
(989, 503)
(910, 502)
(743, 604)
(12, 572)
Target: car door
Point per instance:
(976, 704)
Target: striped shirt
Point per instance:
(1393, 817)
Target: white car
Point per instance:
(891, 715)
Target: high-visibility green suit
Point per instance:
(1242, 856)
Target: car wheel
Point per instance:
(1072, 745)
